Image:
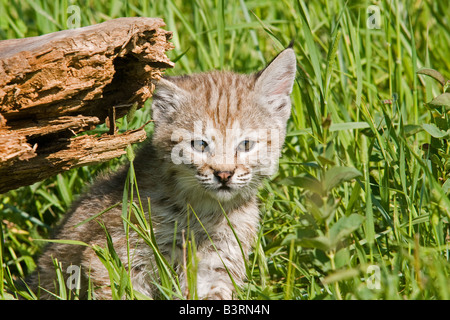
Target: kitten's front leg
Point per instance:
(216, 267)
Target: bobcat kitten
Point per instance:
(216, 136)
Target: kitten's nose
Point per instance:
(223, 176)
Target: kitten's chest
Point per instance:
(201, 222)
(173, 218)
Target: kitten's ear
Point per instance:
(274, 83)
(167, 99)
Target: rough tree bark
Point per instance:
(54, 86)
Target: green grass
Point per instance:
(360, 206)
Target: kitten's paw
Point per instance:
(218, 293)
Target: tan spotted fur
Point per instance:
(227, 108)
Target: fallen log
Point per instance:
(55, 86)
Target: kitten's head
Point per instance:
(222, 132)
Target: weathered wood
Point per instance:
(13, 147)
(55, 86)
(82, 150)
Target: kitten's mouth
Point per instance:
(224, 193)
(224, 188)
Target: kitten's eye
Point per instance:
(199, 145)
(245, 146)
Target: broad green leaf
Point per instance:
(441, 100)
(307, 240)
(322, 210)
(342, 257)
(336, 175)
(446, 186)
(411, 129)
(320, 242)
(344, 227)
(305, 181)
(432, 73)
(435, 131)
